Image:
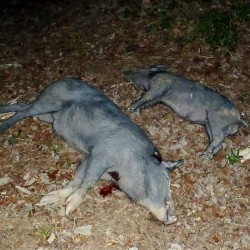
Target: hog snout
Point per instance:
(171, 218)
(164, 214)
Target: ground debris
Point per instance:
(83, 230)
(23, 190)
(97, 42)
(4, 181)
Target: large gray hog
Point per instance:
(190, 100)
(114, 147)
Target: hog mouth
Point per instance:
(163, 214)
(171, 219)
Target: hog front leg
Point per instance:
(59, 196)
(149, 99)
(95, 169)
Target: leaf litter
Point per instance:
(97, 42)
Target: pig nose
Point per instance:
(171, 219)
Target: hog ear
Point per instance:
(157, 68)
(172, 165)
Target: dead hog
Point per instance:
(115, 148)
(190, 100)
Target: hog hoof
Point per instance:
(74, 200)
(171, 220)
(134, 109)
(131, 110)
(55, 197)
(206, 156)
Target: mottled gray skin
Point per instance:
(110, 141)
(189, 99)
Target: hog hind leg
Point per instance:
(229, 130)
(209, 132)
(214, 146)
(45, 118)
(18, 106)
(39, 107)
(216, 135)
(12, 107)
(210, 136)
(19, 115)
(59, 196)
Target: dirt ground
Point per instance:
(42, 41)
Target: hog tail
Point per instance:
(244, 123)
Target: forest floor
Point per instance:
(42, 41)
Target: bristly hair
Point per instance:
(155, 69)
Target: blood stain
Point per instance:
(107, 190)
(53, 173)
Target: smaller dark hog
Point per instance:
(189, 99)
